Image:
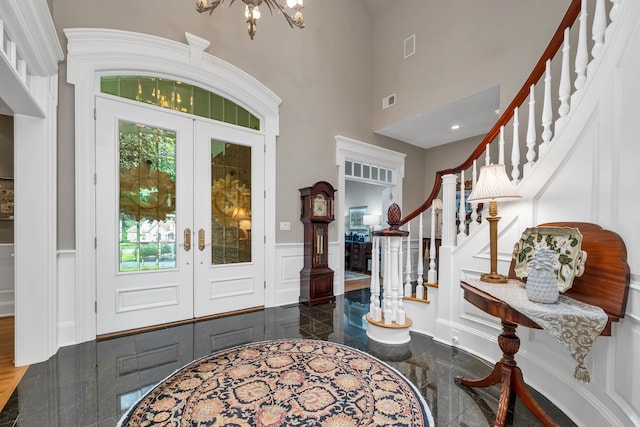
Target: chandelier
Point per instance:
(252, 12)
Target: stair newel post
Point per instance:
(501, 143)
(598, 27)
(407, 266)
(564, 90)
(392, 305)
(391, 294)
(474, 206)
(515, 149)
(432, 276)
(531, 132)
(374, 306)
(449, 210)
(420, 263)
(547, 114)
(582, 54)
(462, 211)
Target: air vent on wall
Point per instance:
(409, 46)
(388, 101)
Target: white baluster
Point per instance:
(613, 13)
(531, 132)
(487, 161)
(582, 55)
(407, 278)
(420, 280)
(564, 91)
(487, 155)
(462, 212)
(547, 113)
(598, 28)
(392, 307)
(399, 316)
(474, 206)
(374, 306)
(501, 143)
(515, 149)
(449, 210)
(432, 276)
(390, 281)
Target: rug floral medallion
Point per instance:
(283, 383)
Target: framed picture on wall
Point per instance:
(6, 198)
(356, 214)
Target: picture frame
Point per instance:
(6, 199)
(356, 215)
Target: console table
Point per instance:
(605, 283)
(505, 371)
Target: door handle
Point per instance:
(201, 239)
(187, 239)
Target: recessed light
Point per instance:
(455, 127)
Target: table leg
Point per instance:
(509, 374)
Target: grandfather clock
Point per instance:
(316, 278)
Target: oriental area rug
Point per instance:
(283, 383)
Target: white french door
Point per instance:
(179, 230)
(229, 213)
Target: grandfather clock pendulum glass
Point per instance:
(316, 278)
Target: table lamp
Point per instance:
(493, 186)
(370, 221)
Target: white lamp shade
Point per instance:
(437, 204)
(493, 184)
(371, 219)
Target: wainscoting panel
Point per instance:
(289, 262)
(7, 278)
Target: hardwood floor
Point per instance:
(10, 376)
(354, 285)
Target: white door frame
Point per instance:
(351, 149)
(96, 52)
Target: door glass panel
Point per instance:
(230, 203)
(147, 197)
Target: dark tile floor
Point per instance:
(92, 384)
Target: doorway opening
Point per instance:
(370, 179)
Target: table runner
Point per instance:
(575, 324)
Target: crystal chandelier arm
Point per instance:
(203, 6)
(273, 3)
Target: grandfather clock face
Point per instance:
(319, 205)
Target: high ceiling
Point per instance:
(473, 115)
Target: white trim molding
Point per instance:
(96, 52)
(351, 149)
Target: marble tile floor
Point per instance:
(92, 384)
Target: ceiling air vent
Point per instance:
(388, 101)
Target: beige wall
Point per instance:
(462, 47)
(329, 76)
(6, 169)
(322, 74)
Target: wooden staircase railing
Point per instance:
(573, 26)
